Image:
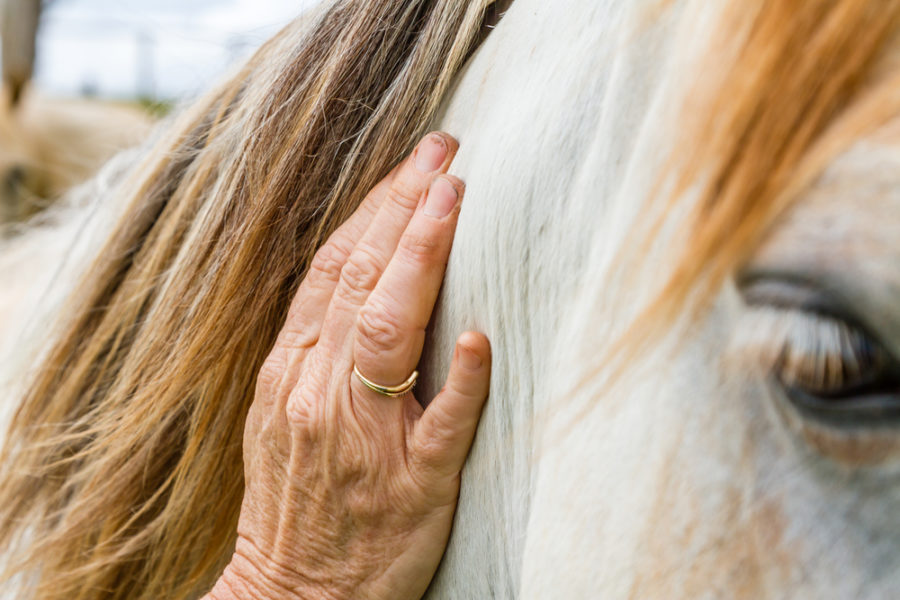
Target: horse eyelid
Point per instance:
(791, 291)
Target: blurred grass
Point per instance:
(155, 108)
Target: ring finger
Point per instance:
(391, 325)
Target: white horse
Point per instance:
(692, 472)
(694, 476)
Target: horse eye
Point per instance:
(827, 365)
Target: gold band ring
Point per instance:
(392, 391)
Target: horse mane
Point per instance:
(121, 472)
(786, 87)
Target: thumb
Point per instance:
(444, 433)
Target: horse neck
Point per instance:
(547, 112)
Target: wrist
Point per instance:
(230, 586)
(247, 577)
(239, 582)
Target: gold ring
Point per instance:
(392, 391)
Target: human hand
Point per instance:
(350, 493)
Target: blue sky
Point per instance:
(165, 48)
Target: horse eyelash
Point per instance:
(807, 350)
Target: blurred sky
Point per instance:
(159, 48)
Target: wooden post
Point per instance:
(18, 31)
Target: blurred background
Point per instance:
(85, 79)
(153, 49)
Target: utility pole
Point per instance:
(146, 64)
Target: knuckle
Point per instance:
(268, 381)
(299, 338)
(378, 330)
(354, 462)
(462, 387)
(443, 425)
(328, 261)
(302, 409)
(432, 463)
(361, 503)
(420, 248)
(361, 271)
(405, 193)
(429, 453)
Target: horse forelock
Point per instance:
(753, 122)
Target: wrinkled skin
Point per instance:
(349, 493)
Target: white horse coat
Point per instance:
(691, 478)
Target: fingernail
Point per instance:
(441, 199)
(431, 154)
(468, 359)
